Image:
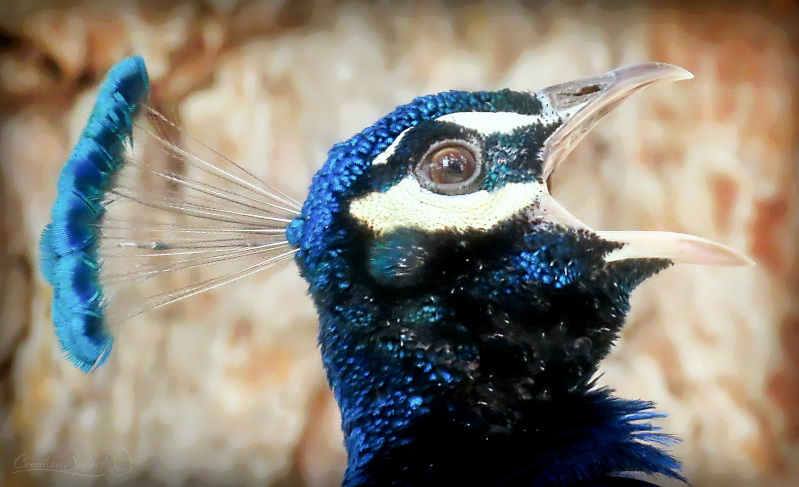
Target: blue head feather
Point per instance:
(401, 360)
(69, 256)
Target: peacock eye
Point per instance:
(451, 168)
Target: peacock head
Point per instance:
(436, 227)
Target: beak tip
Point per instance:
(680, 73)
(645, 73)
(728, 257)
(746, 261)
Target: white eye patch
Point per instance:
(485, 123)
(382, 158)
(408, 205)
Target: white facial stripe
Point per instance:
(408, 205)
(382, 158)
(483, 122)
(490, 122)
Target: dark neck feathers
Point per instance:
(444, 388)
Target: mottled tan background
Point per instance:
(227, 388)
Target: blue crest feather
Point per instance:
(69, 258)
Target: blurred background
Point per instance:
(227, 387)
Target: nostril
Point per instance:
(586, 90)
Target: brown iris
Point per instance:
(449, 169)
(451, 165)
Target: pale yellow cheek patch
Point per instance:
(408, 205)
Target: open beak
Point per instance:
(581, 104)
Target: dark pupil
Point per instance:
(451, 165)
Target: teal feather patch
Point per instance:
(69, 256)
(130, 221)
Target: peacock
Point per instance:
(462, 311)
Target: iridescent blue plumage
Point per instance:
(403, 343)
(69, 257)
(463, 313)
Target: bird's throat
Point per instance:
(438, 379)
(439, 347)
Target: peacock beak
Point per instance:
(581, 104)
